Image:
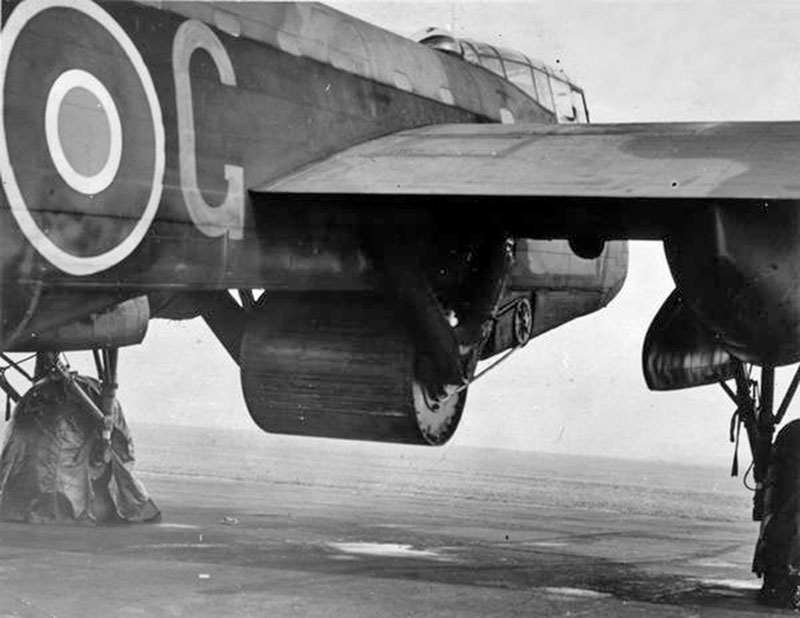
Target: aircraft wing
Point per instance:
(618, 180)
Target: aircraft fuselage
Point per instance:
(135, 174)
(200, 116)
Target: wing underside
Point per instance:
(618, 181)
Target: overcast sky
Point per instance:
(578, 389)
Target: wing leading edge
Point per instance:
(624, 180)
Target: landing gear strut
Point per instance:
(755, 412)
(776, 472)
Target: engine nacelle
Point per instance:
(739, 268)
(559, 286)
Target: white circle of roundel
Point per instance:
(67, 262)
(68, 81)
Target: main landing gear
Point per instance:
(390, 365)
(338, 365)
(68, 453)
(776, 473)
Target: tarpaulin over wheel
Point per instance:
(56, 468)
(777, 556)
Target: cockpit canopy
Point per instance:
(551, 89)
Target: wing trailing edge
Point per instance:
(620, 181)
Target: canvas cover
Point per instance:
(53, 470)
(777, 556)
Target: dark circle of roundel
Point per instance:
(54, 41)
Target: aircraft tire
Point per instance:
(777, 556)
(340, 365)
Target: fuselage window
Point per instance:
(520, 74)
(562, 93)
(579, 101)
(470, 53)
(556, 94)
(543, 88)
(493, 64)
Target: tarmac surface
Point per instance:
(309, 540)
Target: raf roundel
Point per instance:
(81, 134)
(89, 111)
